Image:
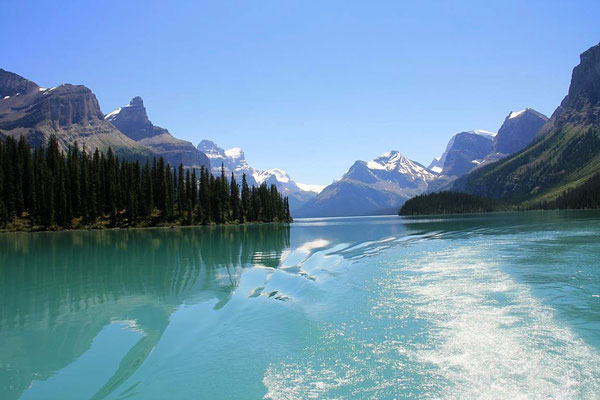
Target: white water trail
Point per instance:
(484, 336)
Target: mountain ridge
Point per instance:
(133, 121)
(69, 112)
(565, 152)
(370, 187)
(234, 160)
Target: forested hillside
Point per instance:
(565, 153)
(447, 203)
(45, 188)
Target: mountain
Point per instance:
(133, 121)
(565, 153)
(518, 130)
(465, 151)
(234, 160)
(71, 112)
(377, 186)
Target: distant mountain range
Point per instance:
(564, 154)
(467, 151)
(382, 185)
(73, 115)
(234, 160)
(378, 186)
(532, 158)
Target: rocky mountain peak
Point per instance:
(518, 130)
(582, 103)
(212, 150)
(585, 81)
(138, 102)
(133, 121)
(12, 84)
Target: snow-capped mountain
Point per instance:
(234, 160)
(378, 186)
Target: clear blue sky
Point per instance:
(308, 86)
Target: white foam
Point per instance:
(485, 336)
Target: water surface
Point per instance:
(484, 306)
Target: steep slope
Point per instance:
(518, 130)
(234, 160)
(70, 112)
(378, 186)
(465, 151)
(565, 153)
(133, 121)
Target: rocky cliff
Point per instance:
(70, 112)
(133, 121)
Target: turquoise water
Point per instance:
(484, 306)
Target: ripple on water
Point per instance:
(442, 322)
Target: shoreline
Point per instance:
(129, 228)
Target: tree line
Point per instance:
(583, 197)
(447, 202)
(46, 188)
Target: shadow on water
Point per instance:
(59, 290)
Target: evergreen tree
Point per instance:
(54, 190)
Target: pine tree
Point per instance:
(54, 190)
(235, 200)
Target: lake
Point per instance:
(502, 305)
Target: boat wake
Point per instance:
(439, 320)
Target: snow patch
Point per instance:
(279, 174)
(235, 153)
(481, 132)
(311, 188)
(516, 114)
(437, 170)
(112, 113)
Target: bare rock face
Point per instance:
(12, 84)
(467, 150)
(133, 121)
(581, 106)
(518, 130)
(70, 112)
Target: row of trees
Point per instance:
(446, 202)
(46, 188)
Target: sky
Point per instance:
(308, 86)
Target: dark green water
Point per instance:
(491, 306)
